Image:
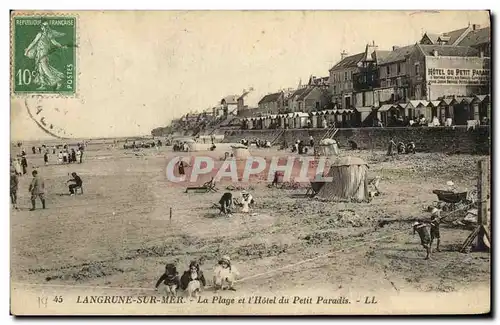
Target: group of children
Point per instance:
(227, 202)
(193, 280)
(427, 237)
(400, 148)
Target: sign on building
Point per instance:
(458, 71)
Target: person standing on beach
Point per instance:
(24, 165)
(46, 158)
(73, 155)
(14, 182)
(435, 221)
(37, 189)
(81, 153)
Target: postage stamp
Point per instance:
(44, 54)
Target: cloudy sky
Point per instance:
(138, 70)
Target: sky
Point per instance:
(138, 70)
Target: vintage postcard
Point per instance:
(250, 162)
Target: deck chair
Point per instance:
(205, 188)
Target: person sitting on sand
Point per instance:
(410, 148)
(401, 148)
(425, 238)
(226, 203)
(193, 280)
(77, 183)
(246, 200)
(170, 279)
(225, 273)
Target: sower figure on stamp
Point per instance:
(37, 189)
(170, 279)
(39, 50)
(425, 238)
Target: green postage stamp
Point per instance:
(44, 54)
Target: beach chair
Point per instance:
(205, 188)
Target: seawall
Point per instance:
(453, 140)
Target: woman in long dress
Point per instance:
(17, 166)
(39, 50)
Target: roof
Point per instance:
(318, 81)
(468, 100)
(449, 50)
(380, 55)
(435, 103)
(301, 93)
(349, 62)
(448, 101)
(455, 35)
(385, 108)
(476, 37)
(270, 98)
(348, 161)
(397, 55)
(364, 109)
(417, 103)
(231, 99)
(481, 98)
(432, 37)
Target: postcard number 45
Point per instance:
(43, 301)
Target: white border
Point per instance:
(186, 4)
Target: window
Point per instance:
(351, 75)
(334, 89)
(345, 75)
(417, 68)
(388, 70)
(399, 68)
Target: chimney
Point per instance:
(343, 55)
(394, 48)
(475, 26)
(435, 53)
